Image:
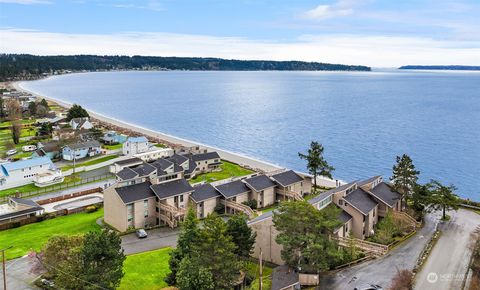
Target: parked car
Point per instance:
(11, 152)
(141, 233)
(369, 287)
(28, 148)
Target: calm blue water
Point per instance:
(363, 119)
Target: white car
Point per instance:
(28, 148)
(11, 152)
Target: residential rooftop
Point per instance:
(385, 193)
(260, 182)
(232, 188)
(204, 192)
(287, 178)
(135, 192)
(171, 188)
(361, 200)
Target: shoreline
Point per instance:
(224, 154)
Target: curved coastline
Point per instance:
(224, 154)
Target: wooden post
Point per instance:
(4, 268)
(260, 284)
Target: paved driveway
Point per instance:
(448, 261)
(18, 275)
(157, 238)
(381, 271)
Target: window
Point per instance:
(373, 212)
(145, 213)
(156, 208)
(340, 202)
(145, 203)
(363, 218)
(181, 198)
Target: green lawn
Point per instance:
(146, 271)
(253, 269)
(34, 236)
(90, 162)
(228, 170)
(160, 145)
(33, 187)
(112, 147)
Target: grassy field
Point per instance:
(267, 276)
(34, 236)
(146, 271)
(91, 162)
(228, 170)
(112, 147)
(160, 145)
(33, 187)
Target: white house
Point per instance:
(40, 171)
(81, 123)
(135, 145)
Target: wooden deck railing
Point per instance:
(290, 194)
(370, 247)
(405, 216)
(240, 207)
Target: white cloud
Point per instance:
(26, 2)
(324, 11)
(379, 51)
(149, 5)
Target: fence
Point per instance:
(69, 196)
(57, 187)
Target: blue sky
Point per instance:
(378, 33)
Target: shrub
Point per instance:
(91, 208)
(402, 280)
(220, 208)
(251, 203)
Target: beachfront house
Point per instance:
(81, 123)
(39, 170)
(50, 149)
(81, 150)
(112, 137)
(262, 190)
(135, 145)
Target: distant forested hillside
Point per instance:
(25, 66)
(441, 67)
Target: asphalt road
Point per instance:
(447, 264)
(18, 275)
(381, 271)
(157, 238)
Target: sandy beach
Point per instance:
(240, 159)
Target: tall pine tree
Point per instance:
(316, 163)
(404, 176)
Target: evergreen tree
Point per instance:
(188, 237)
(241, 234)
(2, 110)
(32, 108)
(45, 129)
(76, 111)
(44, 103)
(316, 163)
(215, 251)
(304, 234)
(404, 176)
(16, 130)
(443, 197)
(194, 276)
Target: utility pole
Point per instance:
(260, 284)
(4, 268)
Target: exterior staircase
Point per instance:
(240, 207)
(171, 215)
(406, 217)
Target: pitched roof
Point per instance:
(135, 192)
(361, 200)
(24, 201)
(386, 194)
(20, 213)
(27, 163)
(144, 169)
(177, 159)
(371, 179)
(171, 188)
(129, 161)
(127, 173)
(205, 156)
(284, 277)
(330, 192)
(287, 178)
(260, 182)
(86, 144)
(204, 192)
(233, 188)
(162, 164)
(344, 216)
(191, 166)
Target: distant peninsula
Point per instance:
(26, 66)
(441, 67)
